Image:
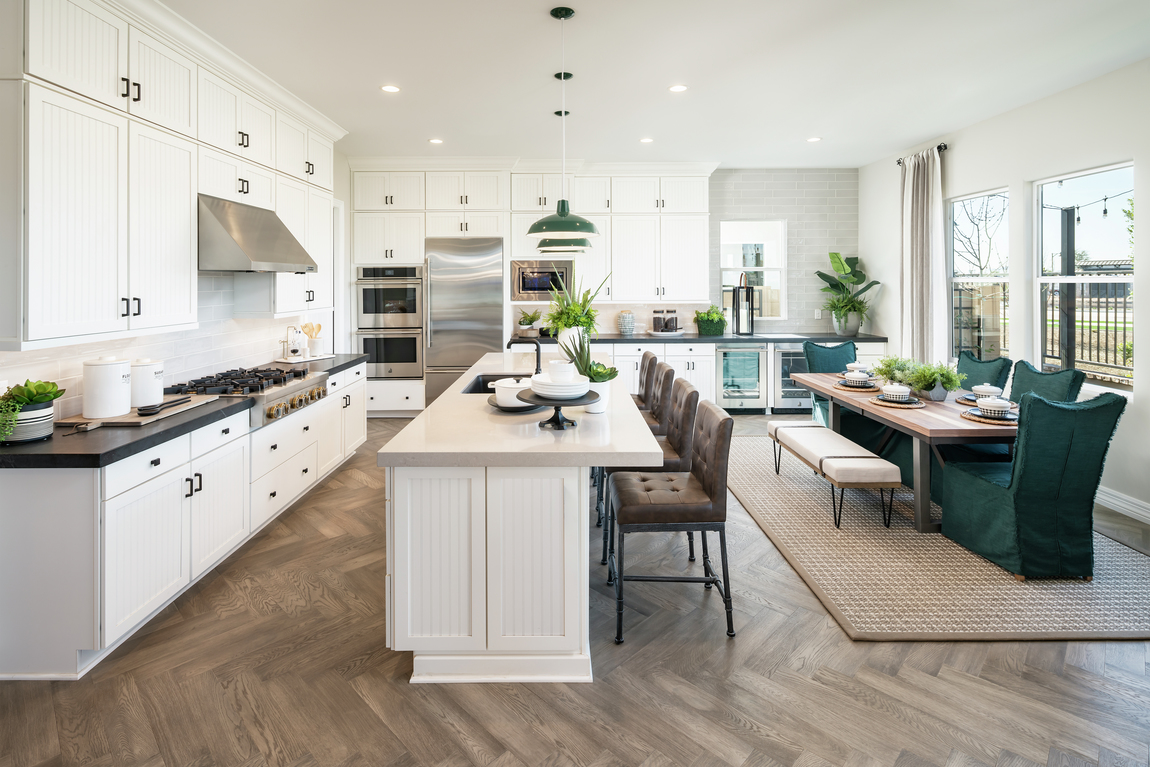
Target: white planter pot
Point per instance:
(603, 389)
(848, 326)
(569, 337)
(33, 422)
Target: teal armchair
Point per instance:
(993, 372)
(833, 359)
(1059, 386)
(1034, 516)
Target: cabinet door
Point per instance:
(219, 106)
(593, 265)
(80, 46)
(291, 292)
(220, 518)
(329, 436)
(146, 550)
(370, 237)
(684, 258)
(354, 416)
(634, 262)
(485, 190)
(405, 237)
(321, 247)
(703, 375)
(77, 209)
(219, 175)
(445, 224)
(553, 190)
(321, 162)
(291, 146)
(163, 84)
(444, 191)
(259, 185)
(370, 190)
(533, 599)
(258, 122)
(523, 248)
(163, 253)
(405, 191)
(681, 364)
(483, 224)
(684, 194)
(292, 208)
(591, 194)
(527, 191)
(634, 194)
(440, 583)
(628, 367)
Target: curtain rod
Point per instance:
(941, 148)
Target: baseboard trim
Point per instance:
(1123, 504)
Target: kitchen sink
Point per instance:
(478, 384)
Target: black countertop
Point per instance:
(100, 447)
(727, 339)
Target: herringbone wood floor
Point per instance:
(277, 659)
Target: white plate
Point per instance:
(545, 379)
(666, 333)
(564, 394)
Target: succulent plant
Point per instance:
(34, 392)
(596, 372)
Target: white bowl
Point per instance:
(856, 366)
(506, 390)
(994, 406)
(561, 371)
(985, 390)
(896, 392)
(857, 378)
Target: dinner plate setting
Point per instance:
(542, 385)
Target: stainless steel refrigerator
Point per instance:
(463, 278)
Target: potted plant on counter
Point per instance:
(598, 374)
(571, 315)
(527, 322)
(847, 306)
(711, 322)
(27, 412)
(933, 382)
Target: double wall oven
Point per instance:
(391, 315)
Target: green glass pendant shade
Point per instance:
(562, 225)
(551, 245)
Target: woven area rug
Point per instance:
(896, 584)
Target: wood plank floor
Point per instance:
(277, 659)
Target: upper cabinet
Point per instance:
(163, 84)
(669, 194)
(635, 194)
(235, 122)
(537, 191)
(230, 178)
(472, 190)
(591, 194)
(379, 190)
(320, 160)
(80, 46)
(303, 153)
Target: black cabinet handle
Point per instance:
(359, 372)
(307, 428)
(227, 431)
(191, 488)
(127, 307)
(304, 471)
(275, 447)
(137, 87)
(199, 481)
(139, 308)
(127, 87)
(466, 200)
(241, 140)
(272, 494)
(247, 140)
(155, 461)
(466, 226)
(460, 199)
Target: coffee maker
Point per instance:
(743, 308)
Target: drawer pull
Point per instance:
(307, 428)
(155, 461)
(199, 481)
(275, 446)
(226, 431)
(191, 488)
(272, 494)
(305, 471)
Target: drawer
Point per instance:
(272, 493)
(337, 381)
(138, 469)
(690, 350)
(636, 350)
(395, 395)
(276, 442)
(357, 373)
(208, 438)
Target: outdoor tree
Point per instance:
(1129, 214)
(976, 227)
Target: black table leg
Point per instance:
(922, 468)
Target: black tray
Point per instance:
(869, 385)
(907, 401)
(521, 409)
(557, 421)
(1010, 416)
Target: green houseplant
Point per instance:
(571, 313)
(598, 374)
(711, 322)
(27, 411)
(934, 381)
(894, 369)
(527, 322)
(847, 306)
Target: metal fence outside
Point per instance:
(1089, 326)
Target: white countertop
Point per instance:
(463, 430)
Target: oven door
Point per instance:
(392, 353)
(390, 304)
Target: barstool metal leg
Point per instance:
(690, 546)
(619, 591)
(609, 537)
(601, 474)
(726, 589)
(708, 571)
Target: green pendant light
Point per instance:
(563, 225)
(553, 245)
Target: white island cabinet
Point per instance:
(487, 517)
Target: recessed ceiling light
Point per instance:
(646, 140)
(435, 140)
(677, 88)
(391, 88)
(813, 139)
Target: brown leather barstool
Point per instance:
(677, 447)
(660, 400)
(695, 501)
(646, 379)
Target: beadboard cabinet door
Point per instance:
(684, 258)
(162, 212)
(321, 247)
(291, 146)
(230, 178)
(81, 46)
(220, 506)
(321, 160)
(218, 106)
(164, 84)
(258, 122)
(593, 265)
(635, 258)
(77, 218)
(635, 194)
(591, 194)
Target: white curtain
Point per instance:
(925, 335)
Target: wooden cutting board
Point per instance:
(131, 419)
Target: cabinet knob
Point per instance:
(272, 494)
(155, 461)
(275, 447)
(226, 431)
(305, 471)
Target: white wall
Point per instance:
(1098, 123)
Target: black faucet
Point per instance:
(538, 350)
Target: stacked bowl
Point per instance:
(545, 386)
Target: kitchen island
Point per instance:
(487, 542)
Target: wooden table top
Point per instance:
(937, 422)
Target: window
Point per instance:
(979, 266)
(1086, 282)
(757, 249)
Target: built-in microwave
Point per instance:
(390, 297)
(534, 280)
(393, 353)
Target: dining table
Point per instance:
(937, 423)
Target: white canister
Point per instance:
(107, 388)
(147, 382)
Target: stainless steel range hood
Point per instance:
(243, 238)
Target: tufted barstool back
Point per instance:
(660, 399)
(681, 427)
(711, 453)
(646, 380)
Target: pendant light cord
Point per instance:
(563, 104)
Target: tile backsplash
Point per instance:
(221, 342)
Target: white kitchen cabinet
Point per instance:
(635, 194)
(379, 190)
(387, 237)
(628, 367)
(81, 46)
(684, 194)
(329, 432)
(164, 84)
(684, 258)
(695, 363)
(591, 194)
(258, 123)
(593, 265)
(273, 492)
(230, 178)
(354, 415)
(466, 224)
(523, 248)
(445, 190)
(472, 190)
(234, 121)
(320, 160)
(635, 258)
(162, 212)
(282, 294)
(537, 191)
(395, 395)
(291, 146)
(77, 218)
(146, 550)
(220, 513)
(321, 247)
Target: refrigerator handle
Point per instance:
(427, 298)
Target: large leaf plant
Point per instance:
(844, 298)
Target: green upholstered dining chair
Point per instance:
(993, 372)
(1059, 386)
(1034, 516)
(833, 359)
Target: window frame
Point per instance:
(982, 280)
(783, 303)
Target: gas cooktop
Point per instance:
(278, 392)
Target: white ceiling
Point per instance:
(871, 77)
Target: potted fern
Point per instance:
(598, 374)
(527, 322)
(27, 411)
(934, 382)
(571, 314)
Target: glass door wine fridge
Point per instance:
(743, 378)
